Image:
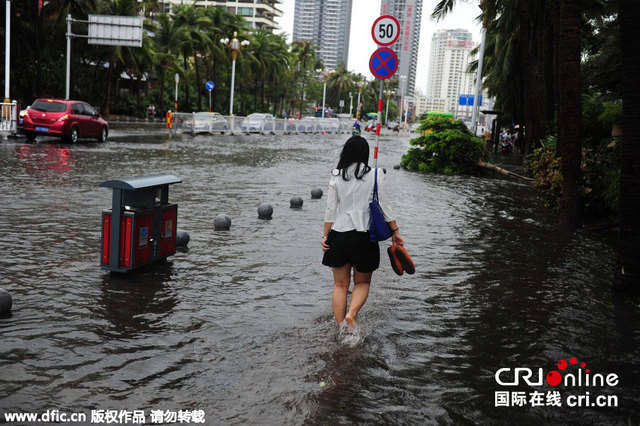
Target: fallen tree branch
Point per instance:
(502, 171)
(600, 226)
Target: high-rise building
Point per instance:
(448, 62)
(260, 14)
(409, 14)
(327, 23)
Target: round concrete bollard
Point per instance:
(182, 238)
(316, 193)
(396, 167)
(5, 302)
(221, 222)
(265, 211)
(296, 202)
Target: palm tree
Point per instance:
(305, 55)
(196, 29)
(119, 54)
(340, 81)
(168, 43)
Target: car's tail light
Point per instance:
(64, 117)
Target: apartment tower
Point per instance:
(448, 62)
(327, 24)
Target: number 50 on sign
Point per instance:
(385, 30)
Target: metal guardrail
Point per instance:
(205, 123)
(9, 117)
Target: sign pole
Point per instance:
(209, 100)
(375, 151)
(68, 80)
(383, 63)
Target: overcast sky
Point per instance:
(364, 12)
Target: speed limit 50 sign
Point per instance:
(385, 30)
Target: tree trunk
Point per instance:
(569, 111)
(627, 276)
(198, 82)
(187, 106)
(531, 30)
(162, 110)
(549, 64)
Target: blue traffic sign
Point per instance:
(383, 63)
(209, 85)
(467, 100)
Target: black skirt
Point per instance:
(352, 247)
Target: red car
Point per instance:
(70, 120)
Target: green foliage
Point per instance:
(600, 173)
(544, 166)
(445, 146)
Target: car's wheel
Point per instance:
(31, 137)
(103, 135)
(74, 135)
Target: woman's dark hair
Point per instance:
(355, 150)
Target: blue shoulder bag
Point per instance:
(378, 228)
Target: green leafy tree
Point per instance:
(445, 146)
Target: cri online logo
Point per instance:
(555, 377)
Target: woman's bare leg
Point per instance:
(359, 295)
(341, 281)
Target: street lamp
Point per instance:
(403, 80)
(389, 94)
(350, 103)
(360, 84)
(325, 73)
(235, 47)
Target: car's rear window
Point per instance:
(49, 106)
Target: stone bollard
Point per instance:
(182, 238)
(296, 202)
(396, 167)
(221, 222)
(265, 211)
(316, 193)
(5, 302)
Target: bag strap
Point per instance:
(375, 185)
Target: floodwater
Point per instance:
(240, 325)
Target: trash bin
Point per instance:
(144, 221)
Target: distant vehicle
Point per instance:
(307, 124)
(371, 126)
(70, 120)
(258, 122)
(331, 125)
(22, 113)
(391, 125)
(335, 124)
(206, 122)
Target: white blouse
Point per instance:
(348, 201)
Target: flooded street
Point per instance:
(240, 324)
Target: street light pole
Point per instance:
(7, 50)
(235, 47)
(403, 79)
(360, 84)
(389, 94)
(325, 73)
(350, 103)
(176, 98)
(476, 98)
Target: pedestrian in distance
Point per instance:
(345, 241)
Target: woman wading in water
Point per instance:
(345, 240)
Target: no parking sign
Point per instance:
(383, 63)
